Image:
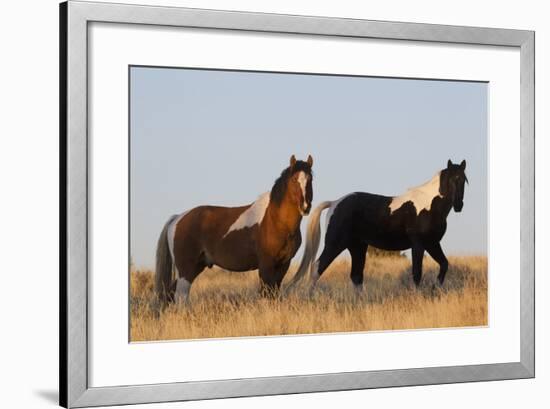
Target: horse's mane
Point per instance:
(278, 191)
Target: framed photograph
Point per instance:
(258, 204)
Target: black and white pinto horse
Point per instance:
(415, 220)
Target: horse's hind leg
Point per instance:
(186, 272)
(181, 293)
(436, 252)
(358, 256)
(328, 255)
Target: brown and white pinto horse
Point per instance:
(263, 235)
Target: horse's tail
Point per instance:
(164, 264)
(313, 238)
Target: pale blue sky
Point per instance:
(221, 137)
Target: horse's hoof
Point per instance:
(358, 291)
(436, 290)
(182, 306)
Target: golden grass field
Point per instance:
(227, 304)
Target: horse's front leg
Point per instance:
(436, 252)
(269, 282)
(417, 256)
(358, 257)
(280, 275)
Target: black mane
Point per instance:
(278, 191)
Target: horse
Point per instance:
(415, 220)
(263, 235)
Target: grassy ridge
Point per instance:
(225, 304)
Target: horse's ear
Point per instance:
(463, 165)
(310, 161)
(449, 164)
(292, 161)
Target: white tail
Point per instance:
(164, 266)
(313, 238)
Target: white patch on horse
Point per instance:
(332, 209)
(171, 235)
(302, 180)
(182, 291)
(420, 196)
(251, 216)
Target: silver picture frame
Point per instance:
(75, 16)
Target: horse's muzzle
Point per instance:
(458, 207)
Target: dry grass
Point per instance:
(225, 304)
